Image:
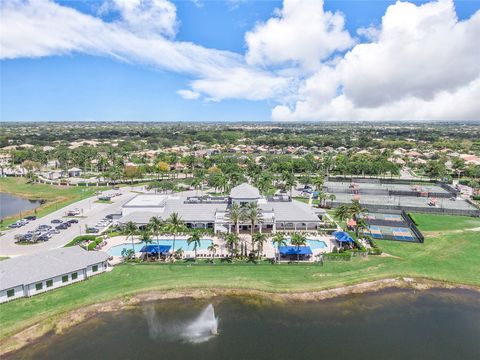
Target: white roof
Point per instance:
(29, 269)
(147, 200)
(245, 191)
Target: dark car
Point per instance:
(44, 227)
(30, 218)
(42, 238)
(61, 226)
(56, 221)
(92, 230)
(72, 221)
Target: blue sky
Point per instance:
(86, 86)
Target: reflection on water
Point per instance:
(12, 205)
(395, 324)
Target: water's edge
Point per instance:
(59, 323)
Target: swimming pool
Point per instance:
(313, 243)
(316, 244)
(179, 243)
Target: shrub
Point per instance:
(345, 256)
(79, 239)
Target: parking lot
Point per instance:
(46, 235)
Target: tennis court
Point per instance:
(391, 233)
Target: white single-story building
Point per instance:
(29, 275)
(278, 213)
(74, 172)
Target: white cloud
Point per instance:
(149, 15)
(301, 33)
(188, 94)
(43, 28)
(423, 65)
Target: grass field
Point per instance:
(56, 196)
(450, 256)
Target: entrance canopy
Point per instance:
(294, 250)
(342, 236)
(155, 249)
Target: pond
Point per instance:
(12, 205)
(393, 324)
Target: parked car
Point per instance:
(44, 227)
(43, 238)
(30, 217)
(92, 230)
(74, 212)
(14, 226)
(72, 221)
(56, 221)
(62, 226)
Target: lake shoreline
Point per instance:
(61, 322)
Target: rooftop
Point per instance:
(245, 191)
(29, 269)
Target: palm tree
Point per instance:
(361, 225)
(298, 240)
(174, 226)
(279, 240)
(212, 248)
(231, 240)
(131, 230)
(197, 183)
(342, 212)
(235, 215)
(331, 197)
(318, 182)
(146, 237)
(254, 215)
(290, 182)
(195, 239)
(155, 225)
(259, 238)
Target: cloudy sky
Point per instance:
(236, 60)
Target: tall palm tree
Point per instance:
(231, 241)
(254, 215)
(146, 237)
(174, 226)
(290, 182)
(195, 240)
(235, 215)
(298, 240)
(155, 225)
(259, 239)
(131, 230)
(279, 240)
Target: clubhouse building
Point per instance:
(33, 274)
(278, 213)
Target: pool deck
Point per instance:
(268, 248)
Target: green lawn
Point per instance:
(56, 196)
(451, 256)
(429, 222)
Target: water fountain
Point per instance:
(199, 330)
(204, 327)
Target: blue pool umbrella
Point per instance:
(154, 249)
(294, 250)
(342, 236)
